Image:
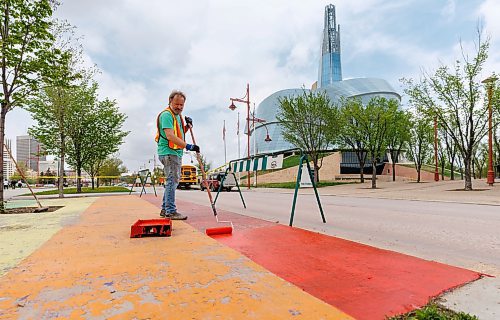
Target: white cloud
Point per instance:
(489, 11)
(449, 10)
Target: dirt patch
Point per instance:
(468, 190)
(29, 210)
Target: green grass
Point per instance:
(291, 185)
(84, 190)
(293, 161)
(433, 311)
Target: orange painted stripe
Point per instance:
(92, 269)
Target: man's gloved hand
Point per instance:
(192, 147)
(189, 122)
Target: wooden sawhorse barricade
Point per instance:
(143, 177)
(272, 161)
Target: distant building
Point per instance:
(28, 152)
(8, 165)
(329, 81)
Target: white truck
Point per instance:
(214, 180)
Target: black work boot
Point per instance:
(176, 216)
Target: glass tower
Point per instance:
(330, 69)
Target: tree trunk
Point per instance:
(79, 179)
(374, 175)
(2, 140)
(361, 173)
(393, 171)
(316, 174)
(468, 175)
(442, 171)
(418, 172)
(452, 174)
(61, 176)
(394, 161)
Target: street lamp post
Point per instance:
(245, 99)
(491, 174)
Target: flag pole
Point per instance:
(224, 138)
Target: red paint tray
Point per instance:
(151, 228)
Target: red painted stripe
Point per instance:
(363, 281)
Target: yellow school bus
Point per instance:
(188, 176)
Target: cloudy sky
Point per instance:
(211, 49)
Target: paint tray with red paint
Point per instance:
(151, 228)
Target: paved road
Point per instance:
(9, 193)
(464, 235)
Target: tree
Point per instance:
(450, 150)
(104, 136)
(369, 126)
(111, 167)
(454, 95)
(421, 139)
(94, 130)
(398, 136)
(442, 159)
(83, 99)
(350, 133)
(51, 106)
(25, 55)
(303, 123)
(21, 168)
(480, 159)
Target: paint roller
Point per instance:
(218, 230)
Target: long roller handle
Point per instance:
(203, 175)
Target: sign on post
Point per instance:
(305, 178)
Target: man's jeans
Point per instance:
(172, 169)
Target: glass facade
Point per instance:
(330, 68)
(363, 88)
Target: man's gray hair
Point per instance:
(176, 93)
